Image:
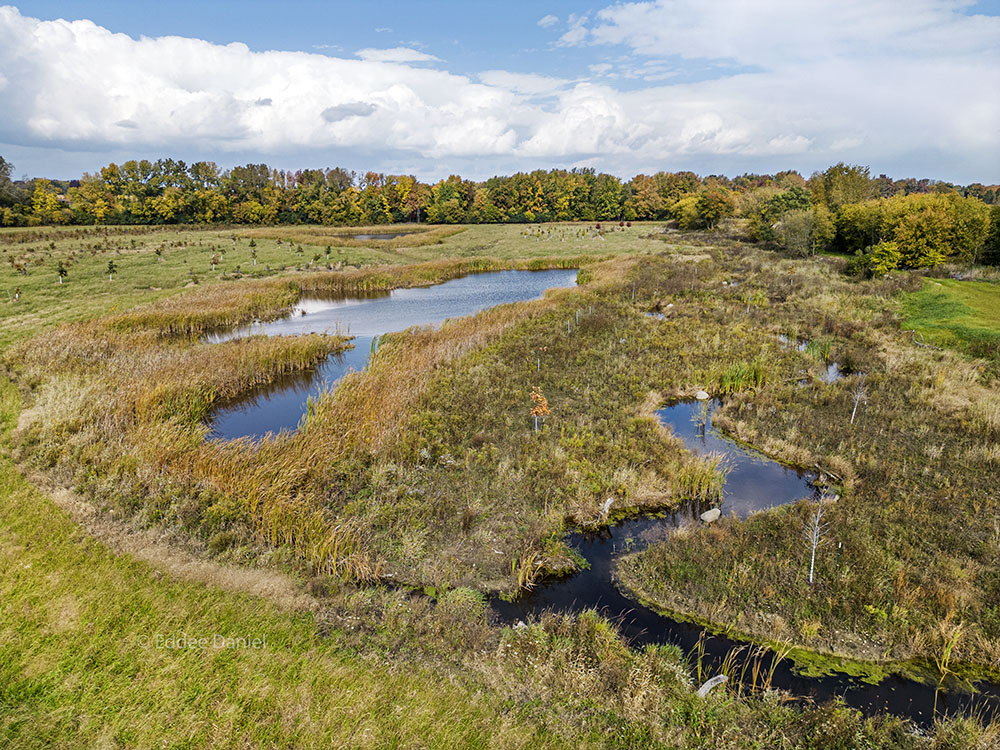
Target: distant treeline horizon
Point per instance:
(168, 191)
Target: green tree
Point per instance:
(607, 198)
(805, 231)
(840, 185)
(991, 246)
(685, 212)
(8, 193)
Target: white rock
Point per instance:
(711, 515)
(701, 396)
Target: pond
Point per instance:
(755, 483)
(282, 404)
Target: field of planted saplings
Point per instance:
(561, 474)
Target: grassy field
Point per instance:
(964, 315)
(426, 471)
(155, 262)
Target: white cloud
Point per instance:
(395, 55)
(846, 80)
(577, 33)
(549, 20)
(522, 83)
(784, 32)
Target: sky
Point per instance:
(910, 88)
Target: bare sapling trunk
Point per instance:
(814, 534)
(860, 395)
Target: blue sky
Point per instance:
(434, 88)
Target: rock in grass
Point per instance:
(701, 396)
(711, 515)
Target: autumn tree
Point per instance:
(539, 405)
(713, 205)
(46, 207)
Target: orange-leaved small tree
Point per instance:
(540, 405)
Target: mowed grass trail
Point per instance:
(79, 665)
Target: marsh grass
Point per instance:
(424, 470)
(742, 376)
(702, 480)
(912, 541)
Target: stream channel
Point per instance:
(755, 483)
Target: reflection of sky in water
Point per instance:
(754, 482)
(402, 308)
(281, 405)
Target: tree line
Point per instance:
(887, 223)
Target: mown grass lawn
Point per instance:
(953, 313)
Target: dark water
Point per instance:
(282, 405)
(754, 483)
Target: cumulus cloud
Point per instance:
(549, 20)
(73, 83)
(395, 55)
(796, 85)
(851, 78)
(780, 33)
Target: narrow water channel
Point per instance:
(755, 483)
(282, 404)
